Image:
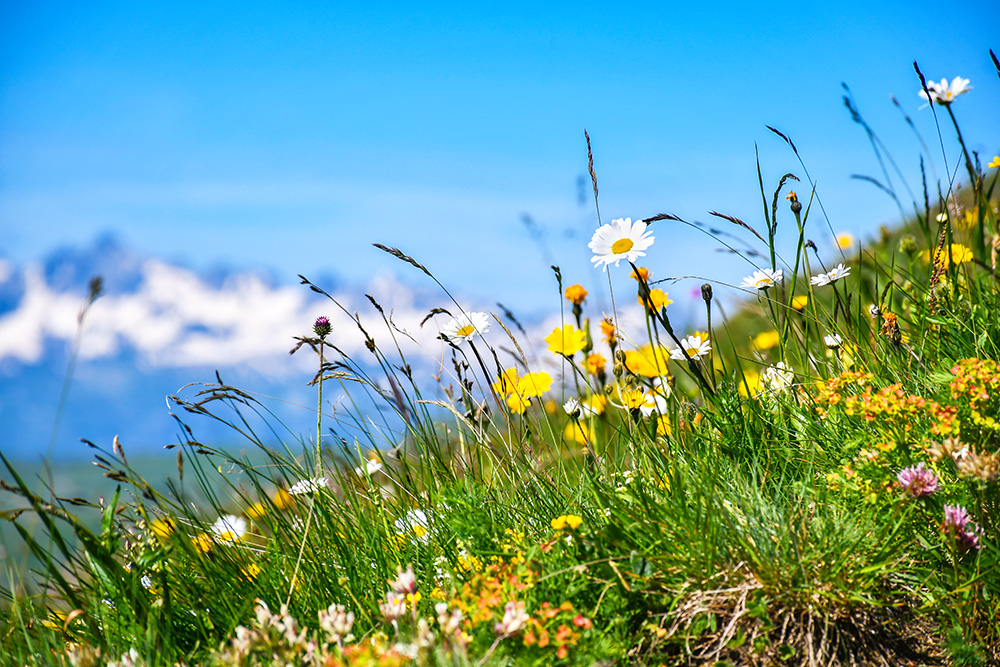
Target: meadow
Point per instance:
(812, 480)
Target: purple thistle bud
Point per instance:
(918, 481)
(322, 327)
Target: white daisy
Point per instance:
(372, 466)
(309, 485)
(777, 377)
(465, 326)
(229, 528)
(693, 347)
(820, 280)
(837, 273)
(572, 408)
(832, 340)
(622, 239)
(945, 93)
(415, 522)
(763, 279)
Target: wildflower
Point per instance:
(838, 272)
(766, 340)
(945, 93)
(959, 255)
(575, 294)
(641, 273)
(608, 330)
(777, 378)
(229, 528)
(282, 499)
(833, 341)
(322, 327)
(565, 521)
(336, 622)
(514, 619)
(566, 340)
(459, 329)
(394, 607)
(632, 399)
(372, 465)
(958, 524)
(310, 485)
(918, 481)
(995, 162)
(620, 240)
(763, 279)
(800, 302)
(656, 300)
(820, 280)
(517, 403)
(250, 571)
(845, 240)
(507, 382)
(873, 311)
(595, 363)
(694, 347)
(162, 527)
(648, 361)
(572, 408)
(534, 384)
(405, 583)
(414, 521)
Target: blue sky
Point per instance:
(291, 138)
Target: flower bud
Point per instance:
(322, 327)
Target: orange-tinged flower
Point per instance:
(575, 294)
(566, 340)
(595, 363)
(657, 299)
(644, 273)
(608, 330)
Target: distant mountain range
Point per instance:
(158, 326)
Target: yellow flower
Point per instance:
(633, 399)
(644, 273)
(800, 302)
(578, 433)
(250, 571)
(766, 340)
(507, 383)
(663, 426)
(283, 499)
(995, 162)
(647, 361)
(517, 403)
(202, 543)
(570, 521)
(959, 255)
(657, 300)
(162, 527)
(566, 340)
(534, 384)
(749, 385)
(608, 330)
(845, 240)
(575, 294)
(256, 511)
(595, 363)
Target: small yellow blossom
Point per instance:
(566, 340)
(644, 273)
(845, 240)
(995, 162)
(608, 330)
(283, 499)
(766, 340)
(633, 399)
(575, 294)
(534, 384)
(507, 383)
(162, 527)
(202, 543)
(256, 511)
(595, 363)
(657, 299)
(749, 384)
(800, 302)
(570, 521)
(517, 403)
(250, 571)
(959, 255)
(663, 426)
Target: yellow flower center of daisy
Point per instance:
(466, 330)
(621, 246)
